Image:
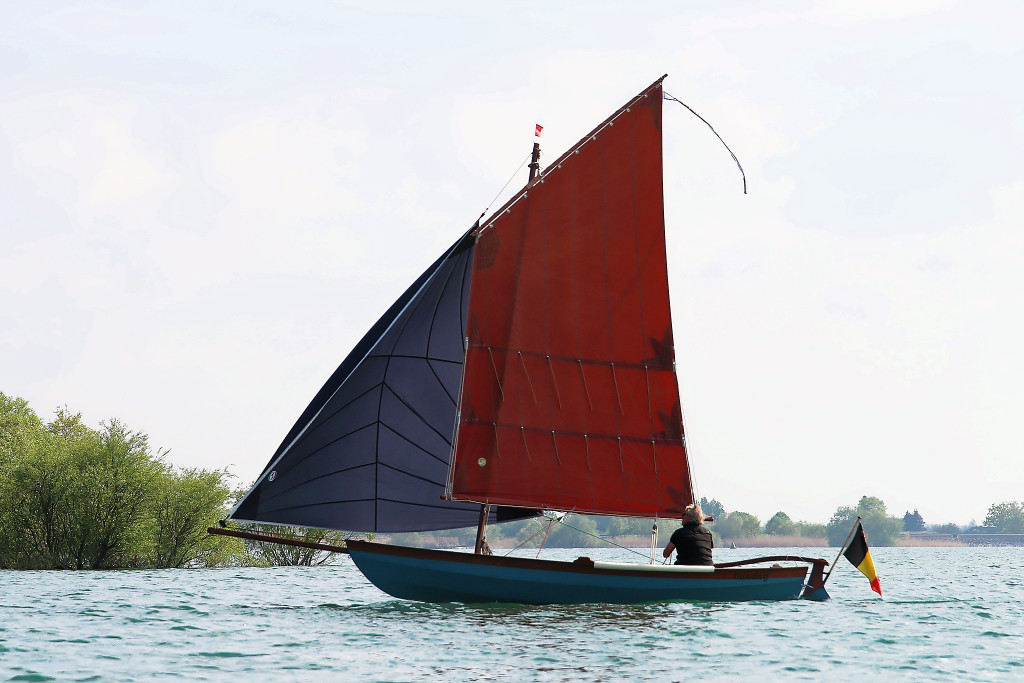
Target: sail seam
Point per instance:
(277, 494)
(645, 439)
(411, 474)
(411, 442)
(414, 412)
(330, 416)
(412, 300)
(598, 362)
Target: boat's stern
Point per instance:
(815, 587)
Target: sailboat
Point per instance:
(530, 368)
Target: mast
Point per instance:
(478, 549)
(485, 509)
(535, 161)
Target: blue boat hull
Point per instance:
(445, 576)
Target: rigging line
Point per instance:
(511, 177)
(547, 527)
(738, 165)
(601, 538)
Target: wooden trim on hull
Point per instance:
(446, 576)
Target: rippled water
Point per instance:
(948, 614)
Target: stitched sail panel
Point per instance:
(372, 450)
(570, 399)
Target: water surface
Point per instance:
(948, 614)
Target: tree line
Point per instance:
(74, 497)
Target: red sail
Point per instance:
(570, 399)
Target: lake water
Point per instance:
(949, 614)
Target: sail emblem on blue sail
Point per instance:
(530, 368)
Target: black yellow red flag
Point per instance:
(858, 555)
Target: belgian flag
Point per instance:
(858, 555)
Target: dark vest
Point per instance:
(693, 544)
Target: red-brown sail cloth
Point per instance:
(570, 398)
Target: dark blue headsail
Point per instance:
(372, 450)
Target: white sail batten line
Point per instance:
(625, 109)
(284, 452)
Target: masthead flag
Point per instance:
(858, 555)
(536, 132)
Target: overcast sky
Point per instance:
(203, 206)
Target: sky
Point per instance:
(203, 207)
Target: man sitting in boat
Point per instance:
(692, 542)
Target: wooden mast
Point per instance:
(535, 162)
(486, 509)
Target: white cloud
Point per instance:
(204, 209)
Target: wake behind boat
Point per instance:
(530, 368)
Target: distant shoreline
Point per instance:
(763, 541)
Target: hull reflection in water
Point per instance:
(446, 576)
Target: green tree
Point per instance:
(738, 525)
(712, 507)
(912, 521)
(780, 525)
(184, 504)
(1006, 518)
(810, 530)
(575, 531)
(23, 438)
(277, 554)
(109, 478)
(880, 528)
(949, 528)
(625, 526)
(72, 497)
(20, 429)
(839, 526)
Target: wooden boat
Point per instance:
(530, 368)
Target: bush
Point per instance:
(1006, 518)
(738, 525)
(810, 530)
(780, 525)
(76, 498)
(879, 527)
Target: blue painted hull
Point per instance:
(444, 576)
